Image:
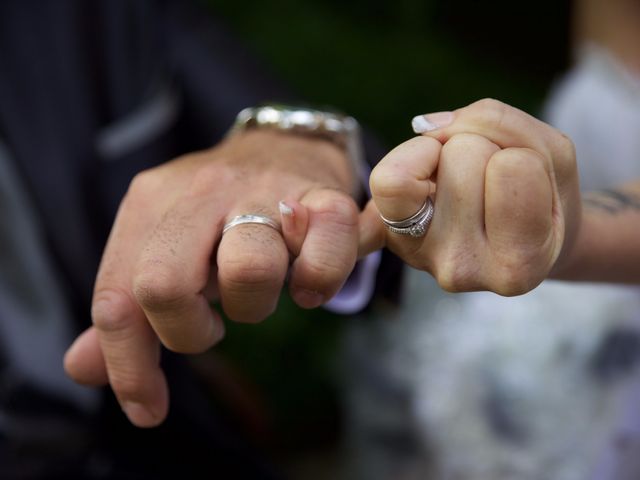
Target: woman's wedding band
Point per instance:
(416, 225)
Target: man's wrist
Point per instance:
(284, 153)
(339, 129)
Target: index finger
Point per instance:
(130, 347)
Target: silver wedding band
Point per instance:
(416, 225)
(250, 218)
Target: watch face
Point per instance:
(307, 119)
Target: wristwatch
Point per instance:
(342, 130)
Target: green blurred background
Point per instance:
(382, 62)
(385, 62)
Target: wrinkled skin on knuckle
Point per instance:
(328, 276)
(156, 288)
(341, 213)
(337, 210)
(127, 384)
(511, 282)
(240, 282)
(111, 309)
(249, 270)
(453, 278)
(388, 184)
(459, 270)
(517, 273)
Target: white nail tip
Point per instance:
(421, 124)
(285, 209)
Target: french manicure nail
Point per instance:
(285, 209)
(421, 124)
(431, 121)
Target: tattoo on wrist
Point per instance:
(612, 201)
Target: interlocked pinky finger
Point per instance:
(294, 218)
(330, 248)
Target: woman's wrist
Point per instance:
(606, 245)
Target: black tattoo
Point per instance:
(612, 201)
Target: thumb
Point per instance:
(371, 231)
(84, 362)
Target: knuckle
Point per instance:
(452, 280)
(566, 161)
(513, 282)
(111, 309)
(461, 141)
(517, 273)
(517, 158)
(515, 161)
(492, 112)
(565, 145)
(393, 186)
(207, 176)
(144, 182)
(244, 304)
(158, 288)
(388, 185)
(142, 190)
(467, 147)
(127, 385)
(332, 202)
(325, 275)
(249, 270)
(488, 104)
(338, 208)
(458, 272)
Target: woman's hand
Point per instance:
(506, 198)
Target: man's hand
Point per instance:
(507, 203)
(166, 259)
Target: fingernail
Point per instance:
(431, 121)
(308, 298)
(285, 209)
(140, 415)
